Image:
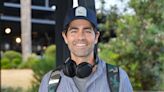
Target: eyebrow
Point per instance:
(72, 27)
(88, 28)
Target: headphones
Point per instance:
(81, 70)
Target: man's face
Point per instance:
(80, 38)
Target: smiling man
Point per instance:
(84, 71)
(81, 39)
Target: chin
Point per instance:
(81, 54)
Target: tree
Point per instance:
(107, 22)
(139, 45)
(26, 28)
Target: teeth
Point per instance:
(80, 44)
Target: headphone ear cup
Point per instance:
(69, 68)
(83, 70)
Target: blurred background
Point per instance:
(132, 37)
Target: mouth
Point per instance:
(80, 45)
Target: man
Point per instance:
(83, 71)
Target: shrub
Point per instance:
(10, 89)
(5, 63)
(141, 58)
(30, 61)
(11, 59)
(41, 66)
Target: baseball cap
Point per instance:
(80, 12)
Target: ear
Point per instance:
(97, 37)
(65, 37)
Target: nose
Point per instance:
(81, 35)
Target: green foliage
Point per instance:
(149, 10)
(139, 45)
(9, 89)
(30, 61)
(11, 59)
(42, 65)
(107, 24)
(39, 64)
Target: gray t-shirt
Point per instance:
(81, 82)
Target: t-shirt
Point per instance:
(81, 82)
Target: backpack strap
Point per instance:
(113, 77)
(54, 80)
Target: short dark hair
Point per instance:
(67, 26)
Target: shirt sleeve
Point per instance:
(44, 83)
(125, 85)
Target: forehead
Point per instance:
(77, 22)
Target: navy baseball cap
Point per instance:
(81, 12)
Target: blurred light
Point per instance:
(44, 47)
(7, 46)
(39, 48)
(18, 40)
(8, 30)
(53, 7)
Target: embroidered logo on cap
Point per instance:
(81, 11)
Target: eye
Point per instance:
(72, 30)
(88, 30)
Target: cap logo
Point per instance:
(81, 11)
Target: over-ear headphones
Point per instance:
(82, 70)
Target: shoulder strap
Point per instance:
(113, 77)
(54, 80)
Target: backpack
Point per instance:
(113, 78)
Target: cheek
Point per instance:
(92, 40)
(69, 40)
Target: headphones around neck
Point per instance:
(82, 70)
